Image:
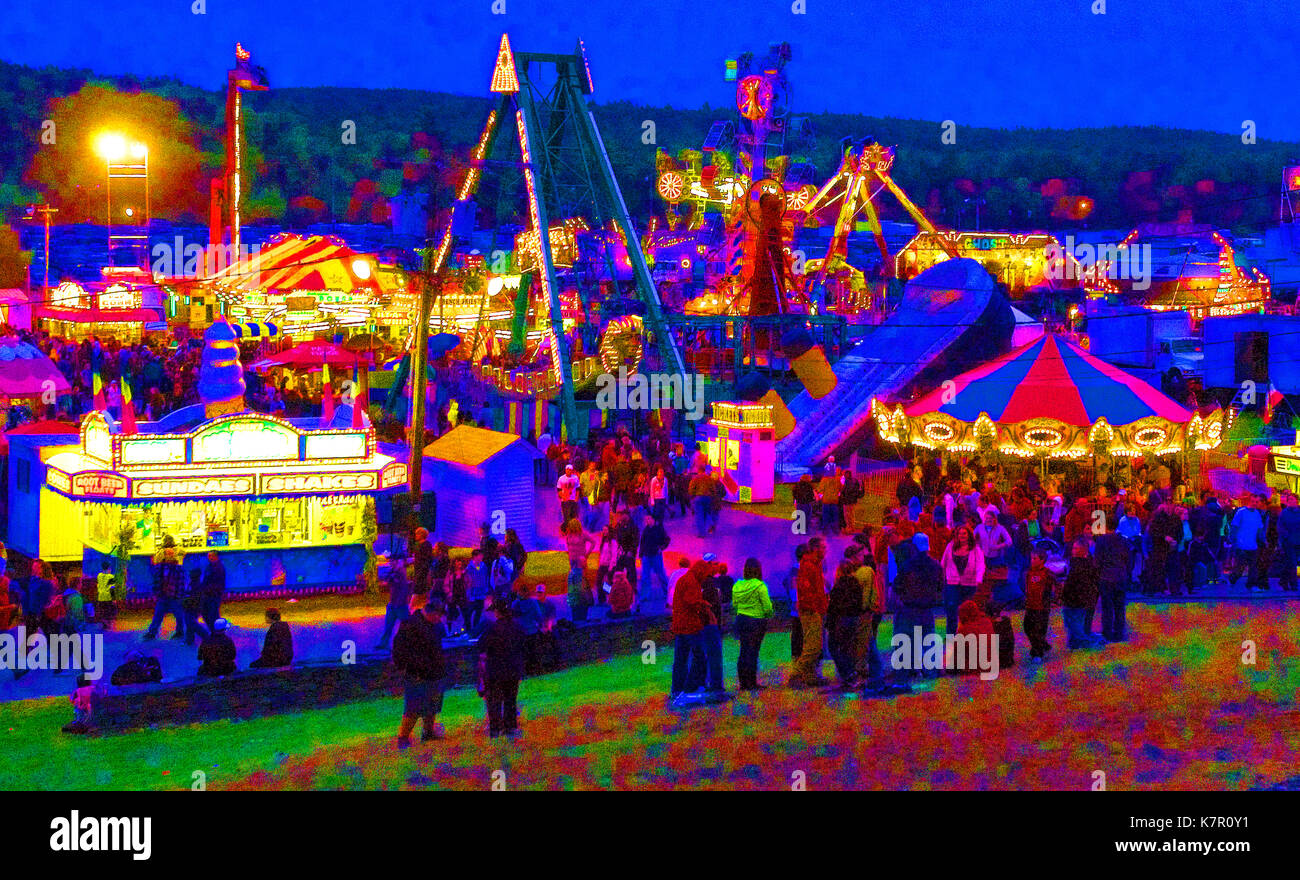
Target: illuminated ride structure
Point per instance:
(732, 206)
(735, 207)
(849, 195)
(225, 195)
(554, 315)
(1190, 268)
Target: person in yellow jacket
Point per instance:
(870, 667)
(828, 493)
(753, 607)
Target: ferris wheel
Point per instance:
(672, 186)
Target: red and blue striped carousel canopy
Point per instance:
(1050, 378)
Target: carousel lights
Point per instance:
(1149, 437)
(1101, 432)
(939, 432)
(1043, 438)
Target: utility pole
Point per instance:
(420, 358)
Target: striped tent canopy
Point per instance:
(255, 330)
(290, 262)
(1050, 397)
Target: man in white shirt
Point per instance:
(567, 487)
(659, 495)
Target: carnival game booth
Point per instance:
(288, 508)
(23, 496)
(1050, 400)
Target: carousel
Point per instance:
(1049, 400)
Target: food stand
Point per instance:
(286, 507)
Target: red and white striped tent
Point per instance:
(290, 262)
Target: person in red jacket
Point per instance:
(621, 595)
(1040, 588)
(690, 614)
(971, 621)
(812, 602)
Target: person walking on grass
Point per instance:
(844, 607)
(691, 614)
(1041, 588)
(753, 606)
(417, 653)
(810, 586)
(1079, 597)
(706, 667)
(501, 649)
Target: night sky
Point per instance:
(1207, 64)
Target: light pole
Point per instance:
(124, 160)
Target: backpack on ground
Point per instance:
(142, 670)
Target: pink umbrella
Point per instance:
(27, 373)
(310, 356)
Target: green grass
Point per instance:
(1174, 708)
(38, 756)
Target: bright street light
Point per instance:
(111, 147)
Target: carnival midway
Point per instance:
(636, 494)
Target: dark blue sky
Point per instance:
(1207, 64)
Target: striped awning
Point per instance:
(289, 263)
(255, 330)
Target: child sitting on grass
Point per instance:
(83, 700)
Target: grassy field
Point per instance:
(1174, 708)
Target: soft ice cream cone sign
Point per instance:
(221, 375)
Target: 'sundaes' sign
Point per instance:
(196, 487)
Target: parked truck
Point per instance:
(1159, 347)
